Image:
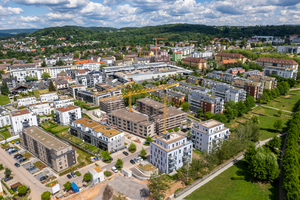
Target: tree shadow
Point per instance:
(274, 190)
(144, 193)
(270, 130)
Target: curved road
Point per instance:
(22, 175)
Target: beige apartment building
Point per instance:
(55, 153)
(154, 110)
(266, 81)
(131, 122)
(112, 105)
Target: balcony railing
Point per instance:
(171, 158)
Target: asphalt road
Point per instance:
(23, 176)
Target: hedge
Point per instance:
(107, 173)
(78, 173)
(10, 190)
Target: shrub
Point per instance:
(107, 173)
(46, 195)
(87, 176)
(238, 178)
(78, 173)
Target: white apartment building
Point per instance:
(66, 115)
(73, 89)
(90, 66)
(51, 61)
(204, 54)
(41, 108)
(22, 119)
(4, 117)
(184, 50)
(21, 71)
(53, 71)
(206, 135)
(26, 101)
(229, 93)
(170, 151)
(58, 103)
(282, 72)
(48, 97)
(288, 49)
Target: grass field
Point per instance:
(90, 147)
(4, 100)
(285, 102)
(36, 93)
(6, 134)
(222, 187)
(39, 165)
(267, 117)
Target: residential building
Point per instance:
(21, 119)
(205, 54)
(49, 149)
(282, 72)
(53, 71)
(4, 117)
(26, 101)
(97, 134)
(73, 89)
(92, 66)
(97, 175)
(131, 122)
(111, 105)
(21, 89)
(288, 49)
(144, 60)
(207, 102)
(187, 88)
(48, 97)
(253, 88)
(51, 61)
(207, 135)
(177, 56)
(20, 71)
(90, 79)
(266, 81)
(235, 70)
(229, 93)
(11, 82)
(265, 62)
(194, 79)
(108, 61)
(58, 103)
(41, 108)
(224, 76)
(226, 56)
(227, 62)
(65, 115)
(177, 97)
(186, 50)
(170, 152)
(60, 84)
(199, 63)
(249, 73)
(154, 110)
(94, 58)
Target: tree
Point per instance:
(67, 185)
(46, 195)
(132, 148)
(52, 87)
(255, 119)
(241, 107)
(105, 155)
(185, 106)
(250, 152)
(200, 113)
(278, 124)
(148, 140)
(170, 130)
(119, 164)
(143, 153)
(275, 142)
(76, 55)
(7, 172)
(87, 177)
(27, 78)
(22, 190)
(157, 185)
(43, 64)
(45, 76)
(4, 88)
(209, 115)
(176, 129)
(279, 112)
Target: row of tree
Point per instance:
(282, 89)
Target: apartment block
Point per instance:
(48, 97)
(224, 76)
(187, 88)
(41, 108)
(170, 152)
(208, 134)
(21, 119)
(154, 110)
(73, 89)
(111, 105)
(131, 122)
(252, 72)
(26, 101)
(235, 70)
(226, 56)
(266, 81)
(229, 93)
(55, 153)
(207, 102)
(97, 134)
(4, 117)
(58, 103)
(197, 62)
(65, 115)
(254, 88)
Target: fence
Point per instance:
(10, 139)
(209, 174)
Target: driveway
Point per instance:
(90, 113)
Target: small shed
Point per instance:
(97, 174)
(55, 189)
(127, 172)
(15, 186)
(75, 188)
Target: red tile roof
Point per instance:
(230, 55)
(277, 60)
(194, 60)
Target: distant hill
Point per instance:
(10, 32)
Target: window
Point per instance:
(59, 163)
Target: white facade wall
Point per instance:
(5, 120)
(282, 72)
(17, 122)
(50, 97)
(41, 109)
(90, 66)
(61, 103)
(20, 74)
(26, 101)
(64, 117)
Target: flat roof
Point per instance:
(20, 112)
(173, 138)
(210, 123)
(98, 169)
(131, 116)
(45, 138)
(107, 131)
(67, 108)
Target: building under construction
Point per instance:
(112, 105)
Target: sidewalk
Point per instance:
(276, 109)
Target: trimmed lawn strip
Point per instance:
(223, 187)
(4, 100)
(39, 165)
(27, 155)
(6, 134)
(285, 102)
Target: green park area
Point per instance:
(223, 187)
(4, 100)
(285, 102)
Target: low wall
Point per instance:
(10, 139)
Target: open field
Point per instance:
(267, 117)
(6, 134)
(223, 187)
(4, 100)
(285, 102)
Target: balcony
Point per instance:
(172, 168)
(171, 158)
(172, 162)
(187, 152)
(25, 124)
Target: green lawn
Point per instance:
(36, 93)
(222, 187)
(285, 102)
(90, 147)
(4, 100)
(267, 117)
(6, 134)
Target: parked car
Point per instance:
(22, 160)
(137, 160)
(8, 148)
(132, 162)
(8, 178)
(111, 159)
(125, 153)
(140, 158)
(12, 151)
(73, 174)
(18, 156)
(114, 169)
(43, 178)
(31, 168)
(69, 176)
(17, 164)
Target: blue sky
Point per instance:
(126, 13)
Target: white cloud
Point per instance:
(30, 18)
(10, 11)
(41, 2)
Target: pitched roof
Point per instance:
(194, 60)
(277, 60)
(224, 62)
(67, 108)
(85, 61)
(230, 55)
